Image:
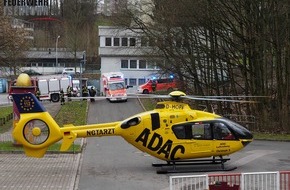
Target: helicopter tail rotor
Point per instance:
(36, 130)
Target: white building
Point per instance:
(122, 50)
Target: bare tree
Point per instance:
(80, 30)
(12, 43)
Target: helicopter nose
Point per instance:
(246, 137)
(245, 142)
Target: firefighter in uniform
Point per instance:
(61, 97)
(69, 92)
(92, 93)
(154, 84)
(85, 91)
(37, 93)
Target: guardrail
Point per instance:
(279, 180)
(5, 119)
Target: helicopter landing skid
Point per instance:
(178, 166)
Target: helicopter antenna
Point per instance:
(212, 109)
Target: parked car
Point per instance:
(69, 71)
(31, 72)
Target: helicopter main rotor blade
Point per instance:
(218, 99)
(242, 96)
(88, 97)
(148, 96)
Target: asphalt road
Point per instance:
(111, 163)
(4, 101)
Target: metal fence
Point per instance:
(234, 181)
(198, 182)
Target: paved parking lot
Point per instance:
(54, 171)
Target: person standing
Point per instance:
(85, 91)
(62, 97)
(154, 84)
(69, 92)
(37, 93)
(92, 93)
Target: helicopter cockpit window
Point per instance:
(221, 132)
(201, 131)
(193, 131)
(182, 131)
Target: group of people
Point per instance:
(85, 93)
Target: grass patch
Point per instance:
(73, 112)
(271, 136)
(10, 146)
(5, 111)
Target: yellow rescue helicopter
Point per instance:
(172, 132)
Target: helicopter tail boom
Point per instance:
(71, 132)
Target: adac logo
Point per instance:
(27, 103)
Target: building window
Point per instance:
(132, 82)
(126, 81)
(159, 63)
(133, 64)
(124, 64)
(132, 42)
(116, 41)
(124, 41)
(108, 42)
(142, 64)
(141, 81)
(151, 65)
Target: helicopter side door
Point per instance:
(196, 137)
(201, 141)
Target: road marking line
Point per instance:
(254, 154)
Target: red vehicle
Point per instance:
(162, 84)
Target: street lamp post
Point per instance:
(81, 70)
(56, 61)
